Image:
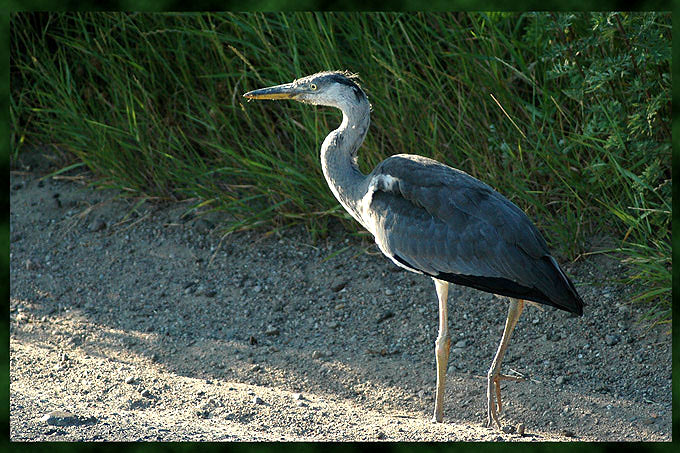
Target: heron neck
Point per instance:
(339, 157)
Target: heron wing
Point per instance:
(442, 222)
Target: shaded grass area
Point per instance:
(566, 114)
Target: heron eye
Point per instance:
(312, 86)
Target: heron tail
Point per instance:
(567, 298)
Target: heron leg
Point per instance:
(494, 377)
(441, 349)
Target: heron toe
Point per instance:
(493, 394)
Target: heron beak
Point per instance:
(285, 91)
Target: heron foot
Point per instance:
(494, 405)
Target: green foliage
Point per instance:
(568, 114)
(614, 69)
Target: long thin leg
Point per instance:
(494, 377)
(441, 349)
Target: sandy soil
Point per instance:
(141, 323)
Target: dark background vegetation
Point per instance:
(337, 5)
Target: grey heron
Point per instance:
(435, 220)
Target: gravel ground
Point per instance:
(147, 325)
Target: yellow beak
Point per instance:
(285, 91)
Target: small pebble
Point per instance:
(298, 396)
(560, 380)
(567, 433)
(301, 404)
(130, 380)
(508, 429)
(146, 393)
(58, 418)
(203, 411)
(460, 344)
(317, 354)
(97, 225)
(520, 429)
(64, 418)
(552, 336)
(611, 340)
(388, 292)
(385, 315)
(338, 285)
(257, 400)
(271, 330)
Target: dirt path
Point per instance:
(149, 328)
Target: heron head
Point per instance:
(333, 88)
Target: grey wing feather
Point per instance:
(460, 224)
(437, 220)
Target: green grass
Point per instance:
(566, 114)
